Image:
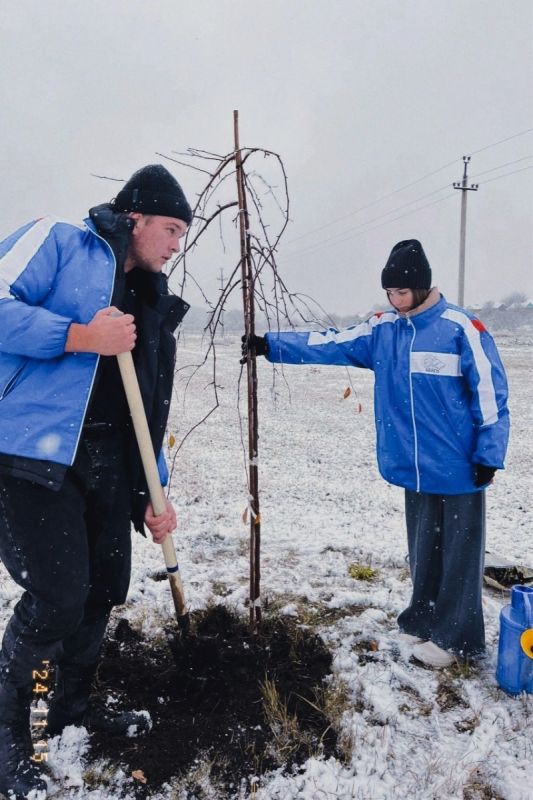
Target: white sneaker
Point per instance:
(408, 638)
(431, 654)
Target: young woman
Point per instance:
(442, 427)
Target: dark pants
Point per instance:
(446, 539)
(71, 552)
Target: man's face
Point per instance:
(154, 240)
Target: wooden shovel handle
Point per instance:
(157, 495)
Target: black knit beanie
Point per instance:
(407, 267)
(153, 190)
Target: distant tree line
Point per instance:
(514, 310)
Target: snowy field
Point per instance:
(410, 732)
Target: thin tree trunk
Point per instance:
(251, 369)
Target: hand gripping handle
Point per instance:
(157, 495)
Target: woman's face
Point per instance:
(401, 299)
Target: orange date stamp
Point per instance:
(39, 712)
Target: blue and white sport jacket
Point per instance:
(52, 273)
(440, 394)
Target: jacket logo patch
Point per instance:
(430, 363)
(433, 364)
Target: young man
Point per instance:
(71, 481)
(442, 428)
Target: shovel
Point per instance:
(157, 496)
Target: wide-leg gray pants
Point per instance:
(446, 540)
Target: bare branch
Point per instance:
(107, 178)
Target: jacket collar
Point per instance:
(153, 286)
(107, 223)
(431, 300)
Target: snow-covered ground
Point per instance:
(412, 733)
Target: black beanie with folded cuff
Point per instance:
(153, 190)
(407, 267)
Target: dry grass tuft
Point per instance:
(448, 694)
(99, 775)
(287, 735)
(197, 784)
(332, 702)
(463, 670)
(362, 572)
(479, 790)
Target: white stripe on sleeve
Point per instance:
(349, 334)
(486, 392)
(16, 260)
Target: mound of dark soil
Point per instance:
(204, 695)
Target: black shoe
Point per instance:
(70, 698)
(19, 774)
(130, 723)
(125, 723)
(69, 705)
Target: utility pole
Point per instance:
(463, 186)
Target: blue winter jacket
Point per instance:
(440, 394)
(52, 273)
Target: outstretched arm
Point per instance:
(351, 347)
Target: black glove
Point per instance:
(253, 344)
(483, 474)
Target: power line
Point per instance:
(324, 242)
(387, 222)
(465, 188)
(513, 172)
(373, 202)
(332, 238)
(508, 139)
(363, 227)
(375, 227)
(413, 211)
(501, 166)
(407, 186)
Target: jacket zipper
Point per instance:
(411, 394)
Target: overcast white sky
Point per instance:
(359, 97)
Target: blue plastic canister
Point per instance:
(514, 672)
